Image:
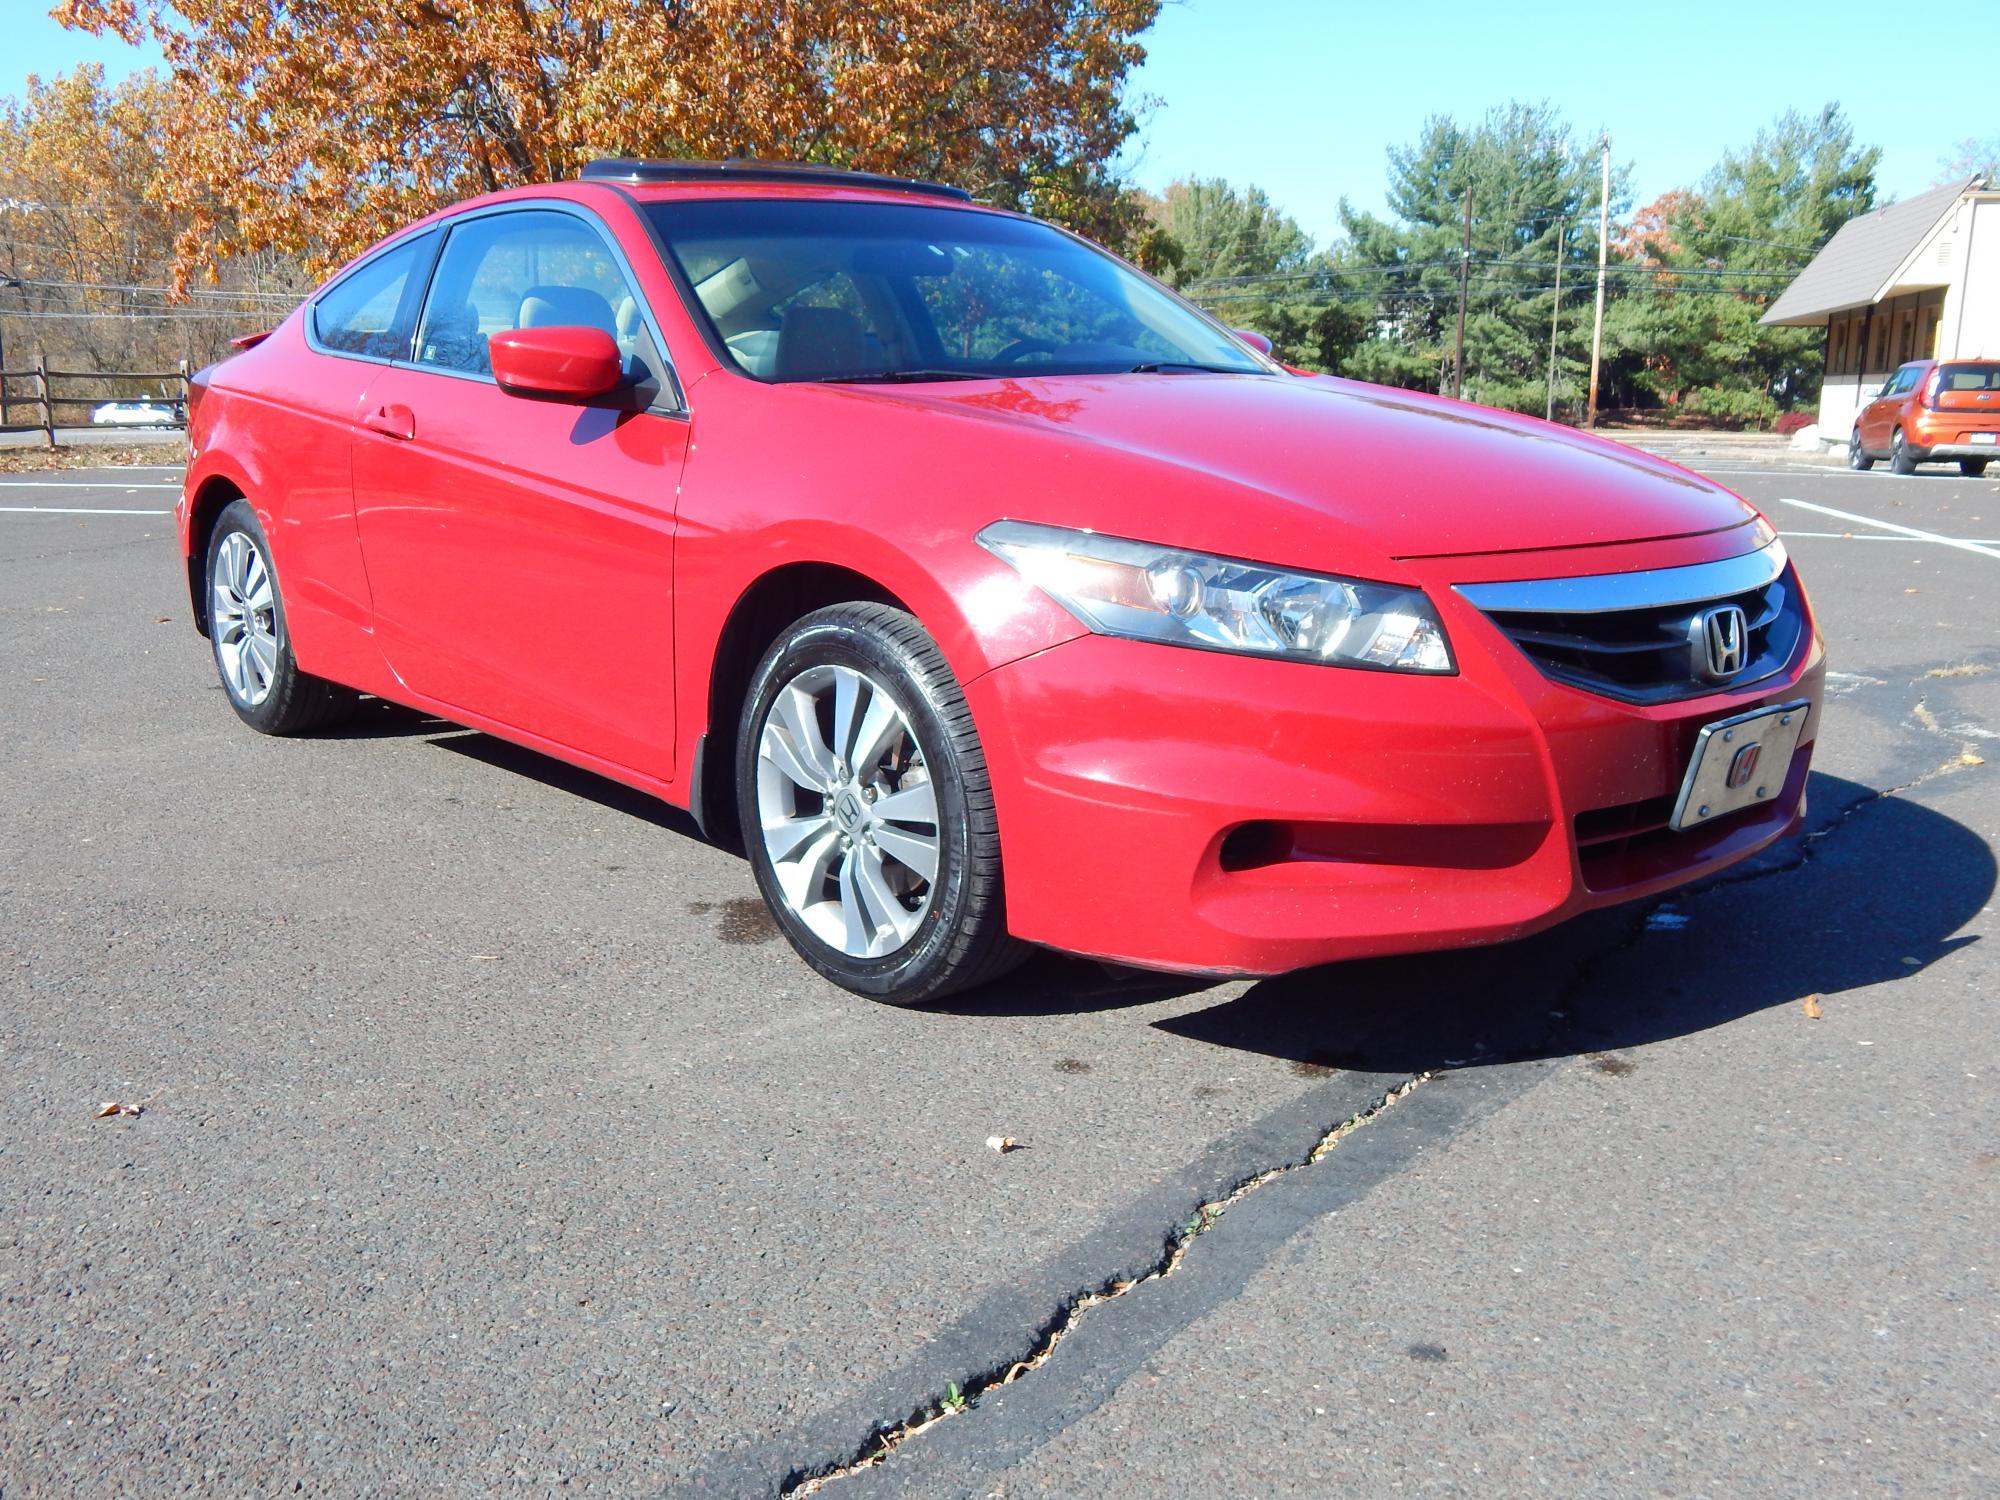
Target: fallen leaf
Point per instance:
(1002, 1143)
(111, 1108)
(1810, 1005)
(1967, 758)
(1913, 963)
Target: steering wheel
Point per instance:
(1021, 348)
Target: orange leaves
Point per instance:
(315, 128)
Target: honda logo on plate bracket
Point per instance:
(1718, 641)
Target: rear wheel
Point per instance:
(253, 648)
(1857, 456)
(1901, 459)
(1972, 468)
(867, 811)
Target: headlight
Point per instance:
(1154, 593)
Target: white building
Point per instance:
(1917, 280)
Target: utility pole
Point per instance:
(1555, 315)
(7, 283)
(1603, 250)
(1464, 269)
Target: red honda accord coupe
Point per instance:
(992, 593)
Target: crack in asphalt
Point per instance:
(1563, 1019)
(1758, 868)
(957, 1399)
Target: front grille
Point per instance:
(1649, 655)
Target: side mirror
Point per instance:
(1254, 339)
(557, 363)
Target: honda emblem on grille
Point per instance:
(1717, 639)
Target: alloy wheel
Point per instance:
(242, 614)
(847, 812)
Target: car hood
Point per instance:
(1419, 475)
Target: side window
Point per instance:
(1906, 379)
(529, 269)
(365, 313)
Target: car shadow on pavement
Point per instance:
(1874, 897)
(504, 755)
(379, 719)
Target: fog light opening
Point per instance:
(1248, 846)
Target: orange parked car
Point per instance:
(1930, 411)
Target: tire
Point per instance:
(1901, 459)
(1973, 468)
(1857, 456)
(247, 631)
(839, 850)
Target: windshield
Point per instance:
(814, 290)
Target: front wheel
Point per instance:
(253, 646)
(1857, 456)
(1972, 468)
(867, 810)
(1901, 459)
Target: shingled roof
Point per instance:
(1855, 266)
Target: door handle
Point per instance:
(392, 420)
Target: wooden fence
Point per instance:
(48, 399)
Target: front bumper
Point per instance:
(1204, 813)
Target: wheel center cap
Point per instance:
(849, 811)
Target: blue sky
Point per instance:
(1303, 97)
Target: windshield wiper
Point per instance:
(1185, 367)
(898, 377)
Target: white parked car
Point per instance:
(135, 414)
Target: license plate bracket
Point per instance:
(1739, 761)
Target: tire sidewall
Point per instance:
(907, 975)
(239, 516)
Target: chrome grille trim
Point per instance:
(1641, 637)
(1655, 588)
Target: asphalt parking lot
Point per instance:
(494, 1143)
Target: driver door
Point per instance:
(520, 551)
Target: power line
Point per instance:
(177, 315)
(1627, 269)
(288, 298)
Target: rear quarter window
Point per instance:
(367, 312)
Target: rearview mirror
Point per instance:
(1254, 339)
(556, 364)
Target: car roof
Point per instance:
(811, 185)
(637, 170)
(668, 182)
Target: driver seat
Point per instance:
(814, 342)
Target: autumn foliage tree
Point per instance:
(81, 234)
(316, 126)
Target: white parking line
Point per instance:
(109, 484)
(74, 510)
(1909, 531)
(1849, 536)
(1776, 470)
